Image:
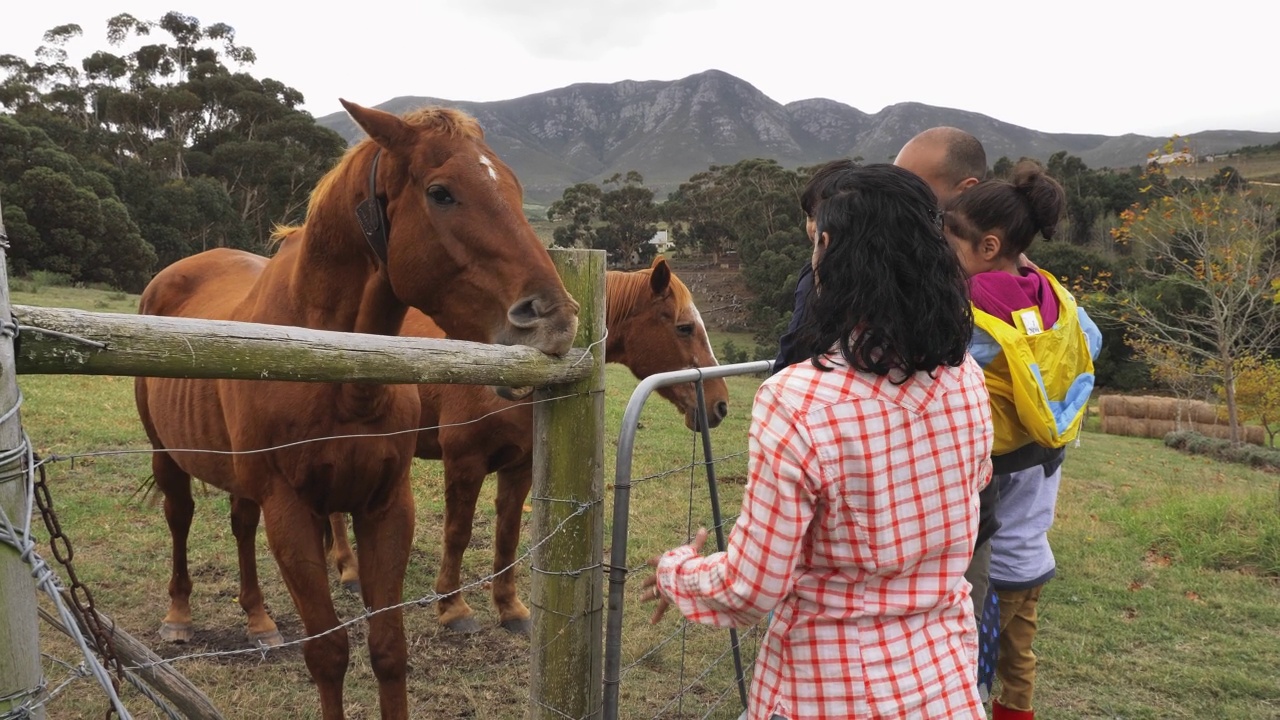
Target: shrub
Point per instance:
(46, 278)
(1192, 442)
(733, 354)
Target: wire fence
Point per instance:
(681, 671)
(62, 674)
(685, 671)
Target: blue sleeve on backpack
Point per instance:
(983, 347)
(1091, 333)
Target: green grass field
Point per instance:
(1166, 603)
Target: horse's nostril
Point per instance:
(722, 410)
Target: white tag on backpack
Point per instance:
(1028, 321)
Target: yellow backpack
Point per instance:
(1041, 380)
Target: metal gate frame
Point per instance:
(622, 506)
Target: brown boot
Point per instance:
(1000, 712)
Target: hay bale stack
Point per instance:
(1154, 417)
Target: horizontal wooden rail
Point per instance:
(65, 341)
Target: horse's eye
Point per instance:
(685, 329)
(440, 195)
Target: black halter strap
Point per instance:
(371, 213)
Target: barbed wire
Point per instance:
(431, 598)
(44, 572)
(690, 467)
(59, 457)
(369, 613)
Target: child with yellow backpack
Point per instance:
(1036, 347)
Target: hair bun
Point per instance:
(1045, 197)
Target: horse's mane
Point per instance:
(279, 234)
(448, 122)
(626, 289)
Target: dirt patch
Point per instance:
(229, 646)
(719, 291)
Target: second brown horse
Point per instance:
(653, 326)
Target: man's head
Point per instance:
(826, 181)
(949, 159)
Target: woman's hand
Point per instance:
(650, 584)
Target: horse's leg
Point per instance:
(513, 488)
(463, 477)
(244, 525)
(385, 538)
(295, 536)
(341, 555)
(175, 484)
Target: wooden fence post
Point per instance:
(568, 512)
(20, 669)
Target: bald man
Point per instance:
(949, 159)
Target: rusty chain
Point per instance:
(81, 596)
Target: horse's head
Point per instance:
(654, 327)
(449, 231)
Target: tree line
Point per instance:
(1181, 275)
(154, 148)
(161, 145)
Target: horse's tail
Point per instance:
(327, 534)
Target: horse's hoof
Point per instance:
(271, 638)
(176, 632)
(464, 626)
(517, 626)
(351, 586)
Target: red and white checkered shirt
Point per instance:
(857, 525)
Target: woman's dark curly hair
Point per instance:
(890, 292)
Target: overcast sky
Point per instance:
(1089, 66)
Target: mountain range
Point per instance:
(670, 130)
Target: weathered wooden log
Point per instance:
(64, 341)
(162, 678)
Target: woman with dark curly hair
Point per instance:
(861, 508)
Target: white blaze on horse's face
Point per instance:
(493, 173)
(697, 318)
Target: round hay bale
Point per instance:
(1134, 406)
(1211, 430)
(1110, 405)
(1255, 435)
(1162, 408)
(1159, 428)
(1129, 427)
(1111, 424)
(1203, 412)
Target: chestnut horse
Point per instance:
(653, 326)
(421, 214)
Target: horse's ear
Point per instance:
(385, 129)
(659, 275)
